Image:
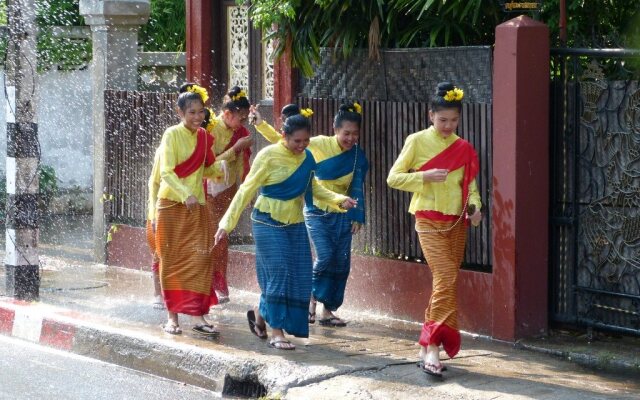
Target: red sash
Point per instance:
(459, 154)
(202, 154)
(246, 154)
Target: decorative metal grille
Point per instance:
(267, 70)
(596, 190)
(238, 46)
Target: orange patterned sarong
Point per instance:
(151, 241)
(444, 252)
(184, 242)
(217, 206)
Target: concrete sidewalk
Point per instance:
(105, 313)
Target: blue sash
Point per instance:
(341, 165)
(295, 185)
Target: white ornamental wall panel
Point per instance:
(267, 70)
(238, 46)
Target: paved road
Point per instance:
(29, 371)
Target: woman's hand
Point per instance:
(220, 236)
(191, 202)
(355, 227)
(153, 225)
(475, 218)
(435, 175)
(255, 118)
(243, 143)
(348, 204)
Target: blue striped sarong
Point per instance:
(283, 264)
(331, 237)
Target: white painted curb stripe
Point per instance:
(27, 324)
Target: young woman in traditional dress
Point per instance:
(233, 144)
(439, 168)
(154, 186)
(183, 239)
(283, 173)
(341, 167)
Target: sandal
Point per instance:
(432, 369)
(312, 318)
(206, 330)
(171, 329)
(281, 344)
(332, 321)
(443, 368)
(158, 303)
(223, 298)
(259, 331)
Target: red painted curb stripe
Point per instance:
(6, 320)
(57, 334)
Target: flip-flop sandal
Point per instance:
(206, 330)
(158, 303)
(312, 318)
(277, 344)
(251, 318)
(443, 368)
(172, 329)
(333, 321)
(435, 372)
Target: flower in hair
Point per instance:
(357, 107)
(212, 121)
(306, 112)
(239, 96)
(454, 94)
(200, 91)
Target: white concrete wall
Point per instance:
(64, 126)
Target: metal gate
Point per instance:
(595, 193)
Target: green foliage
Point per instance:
(166, 29)
(164, 32)
(63, 52)
(590, 23)
(3, 13)
(48, 184)
(346, 25)
(306, 26)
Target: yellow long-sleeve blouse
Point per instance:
(177, 145)
(323, 147)
(272, 165)
(223, 134)
(444, 197)
(269, 132)
(154, 185)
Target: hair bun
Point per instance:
(234, 91)
(443, 88)
(354, 108)
(345, 108)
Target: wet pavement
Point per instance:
(373, 357)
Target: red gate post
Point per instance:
(199, 43)
(520, 178)
(285, 84)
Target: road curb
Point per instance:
(587, 360)
(234, 373)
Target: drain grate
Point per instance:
(247, 388)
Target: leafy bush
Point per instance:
(165, 31)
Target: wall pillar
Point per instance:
(114, 32)
(200, 43)
(520, 179)
(285, 82)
